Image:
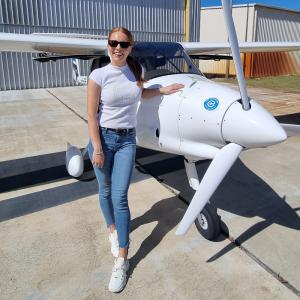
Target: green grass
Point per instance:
(289, 83)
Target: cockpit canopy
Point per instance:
(163, 58)
(157, 59)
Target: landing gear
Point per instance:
(208, 223)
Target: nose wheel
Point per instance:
(208, 223)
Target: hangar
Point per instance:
(148, 20)
(254, 23)
(180, 20)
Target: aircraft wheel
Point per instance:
(208, 223)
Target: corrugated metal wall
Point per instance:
(156, 20)
(213, 29)
(195, 12)
(276, 25)
(254, 23)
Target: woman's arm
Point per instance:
(167, 90)
(93, 96)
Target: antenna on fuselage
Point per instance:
(227, 6)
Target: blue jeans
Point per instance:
(114, 179)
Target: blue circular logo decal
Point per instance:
(211, 103)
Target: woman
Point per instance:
(113, 95)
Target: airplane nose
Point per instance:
(253, 128)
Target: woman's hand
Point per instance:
(165, 90)
(98, 159)
(170, 89)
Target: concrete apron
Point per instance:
(53, 239)
(269, 195)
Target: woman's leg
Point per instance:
(103, 176)
(121, 175)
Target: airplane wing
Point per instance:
(89, 46)
(51, 43)
(224, 48)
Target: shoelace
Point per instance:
(117, 270)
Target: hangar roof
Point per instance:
(253, 5)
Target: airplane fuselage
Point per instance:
(202, 118)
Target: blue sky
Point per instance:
(291, 4)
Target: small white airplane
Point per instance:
(205, 120)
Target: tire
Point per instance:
(208, 223)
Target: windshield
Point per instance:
(160, 58)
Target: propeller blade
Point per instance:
(236, 53)
(217, 170)
(291, 129)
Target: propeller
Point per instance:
(226, 157)
(215, 173)
(291, 129)
(236, 53)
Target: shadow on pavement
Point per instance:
(242, 193)
(167, 213)
(29, 171)
(37, 201)
(290, 118)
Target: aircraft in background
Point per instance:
(205, 120)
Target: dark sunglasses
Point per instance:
(114, 44)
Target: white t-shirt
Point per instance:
(119, 98)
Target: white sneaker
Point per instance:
(118, 277)
(114, 243)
